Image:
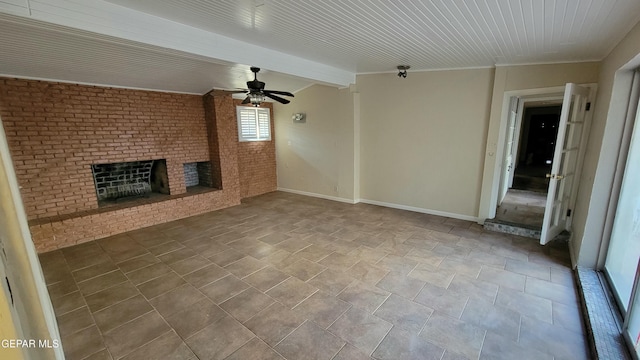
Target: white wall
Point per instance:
(423, 139)
(317, 157)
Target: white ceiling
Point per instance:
(195, 45)
(44, 51)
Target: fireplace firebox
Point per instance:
(116, 182)
(198, 174)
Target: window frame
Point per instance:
(257, 125)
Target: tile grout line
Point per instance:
(150, 341)
(382, 338)
(292, 331)
(484, 338)
(336, 354)
(519, 329)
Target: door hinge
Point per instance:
(588, 107)
(568, 212)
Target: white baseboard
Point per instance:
(321, 196)
(380, 203)
(572, 254)
(420, 210)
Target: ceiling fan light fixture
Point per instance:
(256, 99)
(402, 70)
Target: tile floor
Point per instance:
(284, 276)
(522, 207)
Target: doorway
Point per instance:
(535, 151)
(530, 135)
(524, 201)
(541, 145)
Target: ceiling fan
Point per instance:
(256, 92)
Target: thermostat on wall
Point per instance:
(299, 118)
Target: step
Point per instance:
(512, 228)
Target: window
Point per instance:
(254, 123)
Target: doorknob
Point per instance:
(554, 176)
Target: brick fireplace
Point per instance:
(58, 132)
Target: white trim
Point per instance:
(308, 86)
(551, 62)
(382, 203)
(316, 195)
(356, 141)
(420, 210)
(9, 76)
(572, 254)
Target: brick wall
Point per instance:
(257, 163)
(55, 233)
(56, 131)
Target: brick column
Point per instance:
(222, 130)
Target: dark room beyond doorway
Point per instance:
(535, 152)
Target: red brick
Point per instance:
(56, 131)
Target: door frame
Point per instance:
(506, 176)
(502, 135)
(556, 98)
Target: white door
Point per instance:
(566, 163)
(508, 165)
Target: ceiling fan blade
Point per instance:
(246, 100)
(277, 98)
(286, 93)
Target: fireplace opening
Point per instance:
(198, 175)
(124, 181)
